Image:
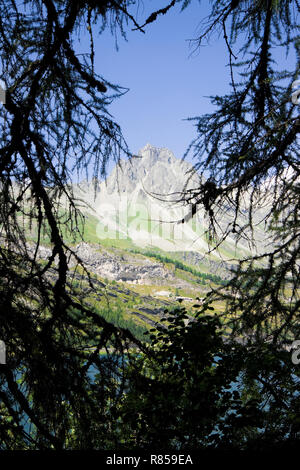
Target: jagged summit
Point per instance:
(157, 153)
(141, 198)
(155, 168)
(149, 147)
(158, 170)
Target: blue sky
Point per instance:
(167, 82)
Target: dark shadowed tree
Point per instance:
(248, 153)
(55, 122)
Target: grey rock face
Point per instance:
(112, 266)
(157, 168)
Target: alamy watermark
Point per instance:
(2, 92)
(2, 352)
(295, 348)
(127, 218)
(296, 94)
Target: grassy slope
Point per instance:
(118, 303)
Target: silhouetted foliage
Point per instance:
(247, 152)
(198, 390)
(54, 123)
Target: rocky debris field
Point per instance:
(121, 267)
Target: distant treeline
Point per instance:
(178, 264)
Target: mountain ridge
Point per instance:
(139, 201)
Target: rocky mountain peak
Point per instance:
(140, 201)
(156, 169)
(155, 154)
